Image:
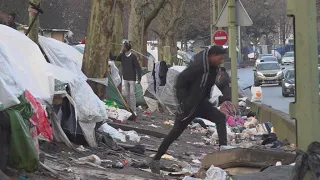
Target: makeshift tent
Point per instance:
(88, 107)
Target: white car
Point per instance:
(288, 58)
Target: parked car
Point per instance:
(261, 56)
(288, 58)
(288, 83)
(268, 73)
(269, 59)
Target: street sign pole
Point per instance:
(213, 19)
(233, 50)
(305, 109)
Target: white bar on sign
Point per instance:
(220, 38)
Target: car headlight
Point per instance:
(288, 85)
(260, 74)
(279, 73)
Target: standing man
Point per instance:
(193, 87)
(11, 21)
(223, 83)
(130, 68)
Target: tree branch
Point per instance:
(153, 14)
(175, 19)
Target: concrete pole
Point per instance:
(213, 19)
(233, 50)
(305, 109)
(239, 43)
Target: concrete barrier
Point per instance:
(285, 127)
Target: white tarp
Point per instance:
(90, 108)
(27, 63)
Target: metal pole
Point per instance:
(305, 109)
(213, 19)
(233, 50)
(239, 43)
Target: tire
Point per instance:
(284, 94)
(280, 83)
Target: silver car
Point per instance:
(268, 73)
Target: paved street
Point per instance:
(271, 94)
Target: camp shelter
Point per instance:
(89, 109)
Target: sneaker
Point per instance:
(155, 166)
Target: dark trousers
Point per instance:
(204, 110)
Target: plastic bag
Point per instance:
(118, 114)
(256, 94)
(7, 98)
(215, 173)
(112, 132)
(39, 117)
(215, 94)
(133, 135)
(114, 73)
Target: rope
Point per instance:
(305, 161)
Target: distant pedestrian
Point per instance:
(130, 69)
(11, 21)
(223, 83)
(193, 87)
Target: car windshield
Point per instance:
(269, 58)
(289, 54)
(268, 66)
(263, 55)
(290, 74)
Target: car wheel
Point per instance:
(284, 94)
(280, 83)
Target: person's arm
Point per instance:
(137, 67)
(115, 58)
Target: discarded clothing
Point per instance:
(232, 113)
(105, 138)
(139, 149)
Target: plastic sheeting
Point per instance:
(89, 107)
(27, 63)
(62, 55)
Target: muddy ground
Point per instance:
(58, 156)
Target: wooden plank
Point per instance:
(125, 127)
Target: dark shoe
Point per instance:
(155, 166)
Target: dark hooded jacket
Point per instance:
(194, 84)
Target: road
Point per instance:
(271, 94)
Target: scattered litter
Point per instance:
(145, 136)
(215, 173)
(118, 114)
(133, 135)
(154, 126)
(190, 178)
(92, 158)
(112, 132)
(222, 148)
(278, 163)
(196, 161)
(82, 149)
(165, 156)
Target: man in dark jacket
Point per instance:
(130, 68)
(193, 89)
(223, 83)
(11, 21)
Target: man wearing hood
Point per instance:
(193, 87)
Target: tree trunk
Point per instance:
(136, 26)
(144, 49)
(34, 32)
(117, 36)
(170, 41)
(161, 44)
(98, 43)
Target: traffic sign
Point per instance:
(220, 37)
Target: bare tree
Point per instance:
(98, 42)
(139, 23)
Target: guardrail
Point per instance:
(285, 127)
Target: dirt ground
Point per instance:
(58, 156)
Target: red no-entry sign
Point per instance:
(220, 37)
